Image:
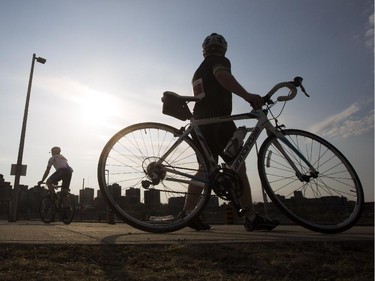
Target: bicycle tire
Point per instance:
(47, 209)
(67, 212)
(330, 203)
(128, 158)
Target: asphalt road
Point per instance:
(35, 232)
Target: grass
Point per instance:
(347, 260)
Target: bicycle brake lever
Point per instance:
(304, 91)
(298, 83)
(267, 100)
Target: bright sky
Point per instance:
(108, 63)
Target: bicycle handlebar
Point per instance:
(292, 86)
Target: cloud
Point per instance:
(346, 123)
(369, 32)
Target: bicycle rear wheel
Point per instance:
(143, 189)
(329, 202)
(47, 209)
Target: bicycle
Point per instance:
(305, 176)
(64, 205)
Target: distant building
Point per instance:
(115, 190)
(152, 197)
(5, 196)
(86, 197)
(133, 196)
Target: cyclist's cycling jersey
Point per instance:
(63, 171)
(58, 162)
(217, 100)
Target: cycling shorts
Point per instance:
(62, 174)
(217, 137)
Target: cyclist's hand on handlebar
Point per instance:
(255, 101)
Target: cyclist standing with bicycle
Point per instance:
(63, 172)
(214, 83)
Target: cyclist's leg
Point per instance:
(51, 181)
(66, 178)
(213, 137)
(246, 200)
(192, 198)
(194, 192)
(216, 136)
(50, 186)
(252, 220)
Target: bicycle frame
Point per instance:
(263, 123)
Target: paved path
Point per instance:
(34, 232)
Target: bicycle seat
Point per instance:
(168, 94)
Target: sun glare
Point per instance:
(98, 108)
(88, 106)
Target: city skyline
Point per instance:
(91, 207)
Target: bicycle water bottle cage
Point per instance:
(175, 106)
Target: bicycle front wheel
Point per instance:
(47, 210)
(146, 188)
(330, 201)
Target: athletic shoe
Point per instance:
(195, 223)
(260, 223)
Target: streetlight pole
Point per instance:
(19, 170)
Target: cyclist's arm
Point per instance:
(45, 175)
(229, 82)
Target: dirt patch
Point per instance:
(251, 261)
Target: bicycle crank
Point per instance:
(227, 184)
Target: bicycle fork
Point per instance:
(301, 176)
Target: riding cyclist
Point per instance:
(214, 83)
(63, 173)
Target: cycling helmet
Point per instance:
(214, 43)
(56, 150)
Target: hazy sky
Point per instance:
(108, 63)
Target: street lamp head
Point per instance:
(41, 60)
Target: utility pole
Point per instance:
(18, 169)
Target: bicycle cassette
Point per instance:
(227, 184)
(154, 171)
